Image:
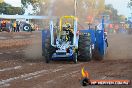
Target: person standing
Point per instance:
(14, 26)
(17, 27)
(0, 26)
(3, 25)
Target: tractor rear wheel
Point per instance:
(48, 50)
(85, 47)
(27, 27)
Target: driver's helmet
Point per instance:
(64, 27)
(68, 25)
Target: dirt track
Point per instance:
(23, 67)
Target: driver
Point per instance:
(69, 31)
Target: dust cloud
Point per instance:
(59, 8)
(120, 46)
(34, 50)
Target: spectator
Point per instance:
(14, 26)
(17, 27)
(0, 25)
(8, 27)
(3, 25)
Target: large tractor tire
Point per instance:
(96, 55)
(27, 27)
(85, 47)
(48, 50)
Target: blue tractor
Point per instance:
(64, 41)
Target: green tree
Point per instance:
(10, 10)
(130, 4)
(112, 12)
(38, 6)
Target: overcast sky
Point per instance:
(16, 3)
(120, 5)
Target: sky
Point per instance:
(120, 5)
(16, 3)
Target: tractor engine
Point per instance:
(64, 41)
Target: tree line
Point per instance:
(41, 7)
